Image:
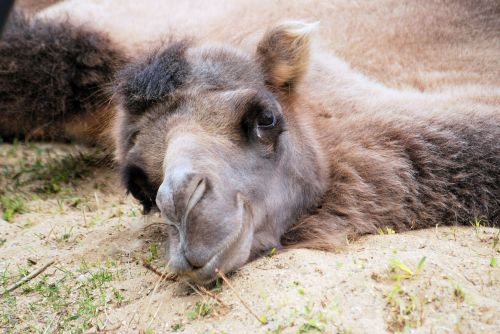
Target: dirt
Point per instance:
(440, 280)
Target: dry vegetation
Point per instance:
(62, 203)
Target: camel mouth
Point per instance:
(224, 257)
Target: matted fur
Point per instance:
(54, 74)
(405, 174)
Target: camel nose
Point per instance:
(179, 192)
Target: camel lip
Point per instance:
(206, 273)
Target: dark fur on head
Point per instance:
(137, 183)
(52, 73)
(139, 85)
(142, 84)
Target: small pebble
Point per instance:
(84, 277)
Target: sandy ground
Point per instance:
(441, 280)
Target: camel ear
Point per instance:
(283, 53)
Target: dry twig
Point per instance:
(164, 276)
(213, 295)
(262, 320)
(106, 330)
(27, 278)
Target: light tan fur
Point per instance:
(425, 45)
(376, 55)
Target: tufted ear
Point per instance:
(283, 53)
(148, 81)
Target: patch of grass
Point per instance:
(42, 171)
(217, 286)
(201, 309)
(8, 311)
(91, 221)
(61, 207)
(271, 252)
(405, 309)
(23, 272)
(309, 318)
(263, 319)
(152, 252)
(401, 271)
(386, 231)
(57, 172)
(315, 320)
(476, 223)
(11, 205)
(61, 301)
(118, 296)
(311, 325)
(65, 235)
(177, 326)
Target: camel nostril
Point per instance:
(179, 194)
(196, 193)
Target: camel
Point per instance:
(249, 131)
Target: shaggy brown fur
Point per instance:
(54, 79)
(404, 174)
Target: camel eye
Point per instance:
(262, 120)
(266, 119)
